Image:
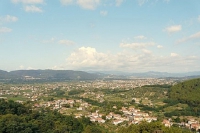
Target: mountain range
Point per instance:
(62, 75)
(52, 75)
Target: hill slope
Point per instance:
(187, 92)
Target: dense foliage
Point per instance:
(187, 92)
(16, 118)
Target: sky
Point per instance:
(100, 35)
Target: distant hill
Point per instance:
(150, 74)
(62, 75)
(52, 75)
(3, 74)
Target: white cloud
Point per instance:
(194, 36)
(173, 54)
(57, 67)
(146, 51)
(66, 42)
(8, 18)
(29, 5)
(190, 38)
(5, 29)
(103, 13)
(88, 58)
(30, 68)
(173, 29)
(136, 45)
(32, 8)
(21, 67)
(28, 1)
(159, 46)
(88, 4)
(140, 37)
(66, 2)
(141, 2)
(119, 2)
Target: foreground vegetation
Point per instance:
(18, 118)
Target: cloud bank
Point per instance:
(88, 58)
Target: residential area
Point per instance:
(111, 102)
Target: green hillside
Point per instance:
(187, 92)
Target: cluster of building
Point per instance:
(33, 92)
(129, 115)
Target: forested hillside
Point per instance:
(187, 92)
(18, 118)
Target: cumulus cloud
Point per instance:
(173, 28)
(66, 42)
(88, 4)
(141, 2)
(66, 2)
(5, 29)
(189, 38)
(173, 54)
(8, 18)
(28, 1)
(21, 67)
(146, 51)
(119, 2)
(32, 8)
(159, 46)
(88, 58)
(103, 13)
(30, 5)
(136, 45)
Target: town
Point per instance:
(107, 102)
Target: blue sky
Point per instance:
(100, 35)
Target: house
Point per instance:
(138, 118)
(116, 116)
(108, 117)
(78, 115)
(80, 108)
(166, 123)
(195, 126)
(116, 122)
(100, 120)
